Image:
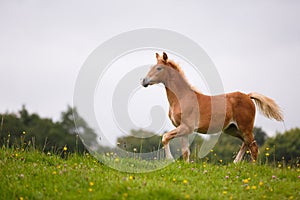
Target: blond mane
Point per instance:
(178, 68)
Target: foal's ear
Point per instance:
(157, 56)
(165, 56)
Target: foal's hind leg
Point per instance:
(241, 153)
(235, 132)
(251, 144)
(254, 150)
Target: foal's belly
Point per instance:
(213, 125)
(204, 127)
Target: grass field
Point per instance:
(35, 175)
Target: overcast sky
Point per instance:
(255, 46)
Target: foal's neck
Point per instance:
(177, 87)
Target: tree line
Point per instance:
(29, 129)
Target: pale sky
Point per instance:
(255, 45)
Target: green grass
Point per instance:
(35, 175)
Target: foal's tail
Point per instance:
(267, 106)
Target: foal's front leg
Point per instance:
(185, 148)
(165, 142)
(180, 131)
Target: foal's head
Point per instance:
(160, 72)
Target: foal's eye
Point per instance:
(159, 68)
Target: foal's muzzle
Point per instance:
(146, 82)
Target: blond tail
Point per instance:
(267, 106)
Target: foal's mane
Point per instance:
(176, 67)
(180, 71)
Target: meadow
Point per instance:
(31, 174)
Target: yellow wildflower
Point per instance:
(65, 148)
(267, 154)
(185, 181)
(245, 181)
(91, 183)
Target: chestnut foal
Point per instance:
(191, 111)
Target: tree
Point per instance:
(81, 128)
(283, 147)
(260, 136)
(140, 141)
(11, 129)
(24, 115)
(43, 133)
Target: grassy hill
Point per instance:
(30, 174)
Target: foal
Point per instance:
(191, 111)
